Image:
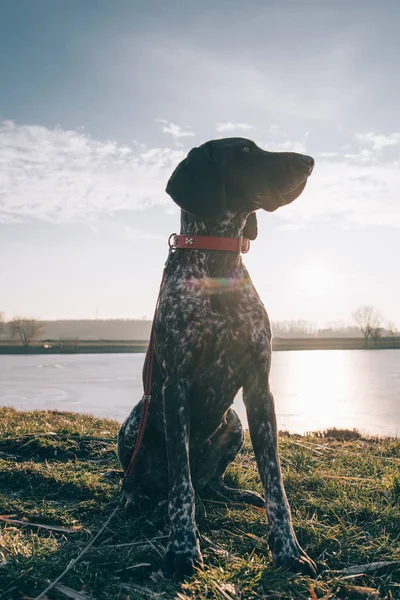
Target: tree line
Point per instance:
(368, 321)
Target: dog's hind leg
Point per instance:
(216, 456)
(148, 483)
(127, 435)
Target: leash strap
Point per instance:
(147, 393)
(175, 241)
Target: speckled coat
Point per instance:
(213, 337)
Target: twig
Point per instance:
(133, 567)
(53, 434)
(315, 597)
(155, 547)
(322, 446)
(70, 593)
(77, 559)
(345, 477)
(223, 593)
(368, 567)
(73, 529)
(219, 550)
(256, 538)
(240, 504)
(307, 448)
(143, 543)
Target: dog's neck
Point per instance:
(229, 225)
(219, 264)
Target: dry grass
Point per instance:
(345, 498)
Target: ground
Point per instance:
(345, 498)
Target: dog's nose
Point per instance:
(308, 160)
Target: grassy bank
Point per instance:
(79, 347)
(345, 498)
(118, 346)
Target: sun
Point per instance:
(315, 279)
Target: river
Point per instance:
(313, 389)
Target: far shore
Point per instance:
(140, 346)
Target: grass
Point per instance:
(344, 493)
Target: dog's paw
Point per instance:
(134, 503)
(298, 564)
(290, 555)
(181, 563)
(131, 508)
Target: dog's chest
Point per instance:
(203, 321)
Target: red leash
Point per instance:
(176, 241)
(147, 392)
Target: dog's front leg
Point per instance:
(260, 407)
(183, 551)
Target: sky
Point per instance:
(100, 100)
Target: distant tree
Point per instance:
(338, 329)
(2, 321)
(335, 325)
(301, 326)
(296, 328)
(392, 331)
(369, 321)
(26, 329)
(376, 334)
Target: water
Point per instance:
(313, 389)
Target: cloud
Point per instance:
(106, 227)
(221, 127)
(364, 155)
(349, 192)
(66, 176)
(244, 84)
(349, 188)
(379, 141)
(61, 176)
(175, 130)
(275, 130)
(327, 154)
(285, 146)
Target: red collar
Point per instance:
(206, 242)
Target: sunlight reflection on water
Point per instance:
(313, 389)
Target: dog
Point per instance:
(212, 338)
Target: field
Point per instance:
(344, 493)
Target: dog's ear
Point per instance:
(196, 185)
(250, 230)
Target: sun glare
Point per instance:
(315, 279)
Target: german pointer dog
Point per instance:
(213, 337)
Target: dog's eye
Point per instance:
(246, 149)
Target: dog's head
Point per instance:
(235, 174)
